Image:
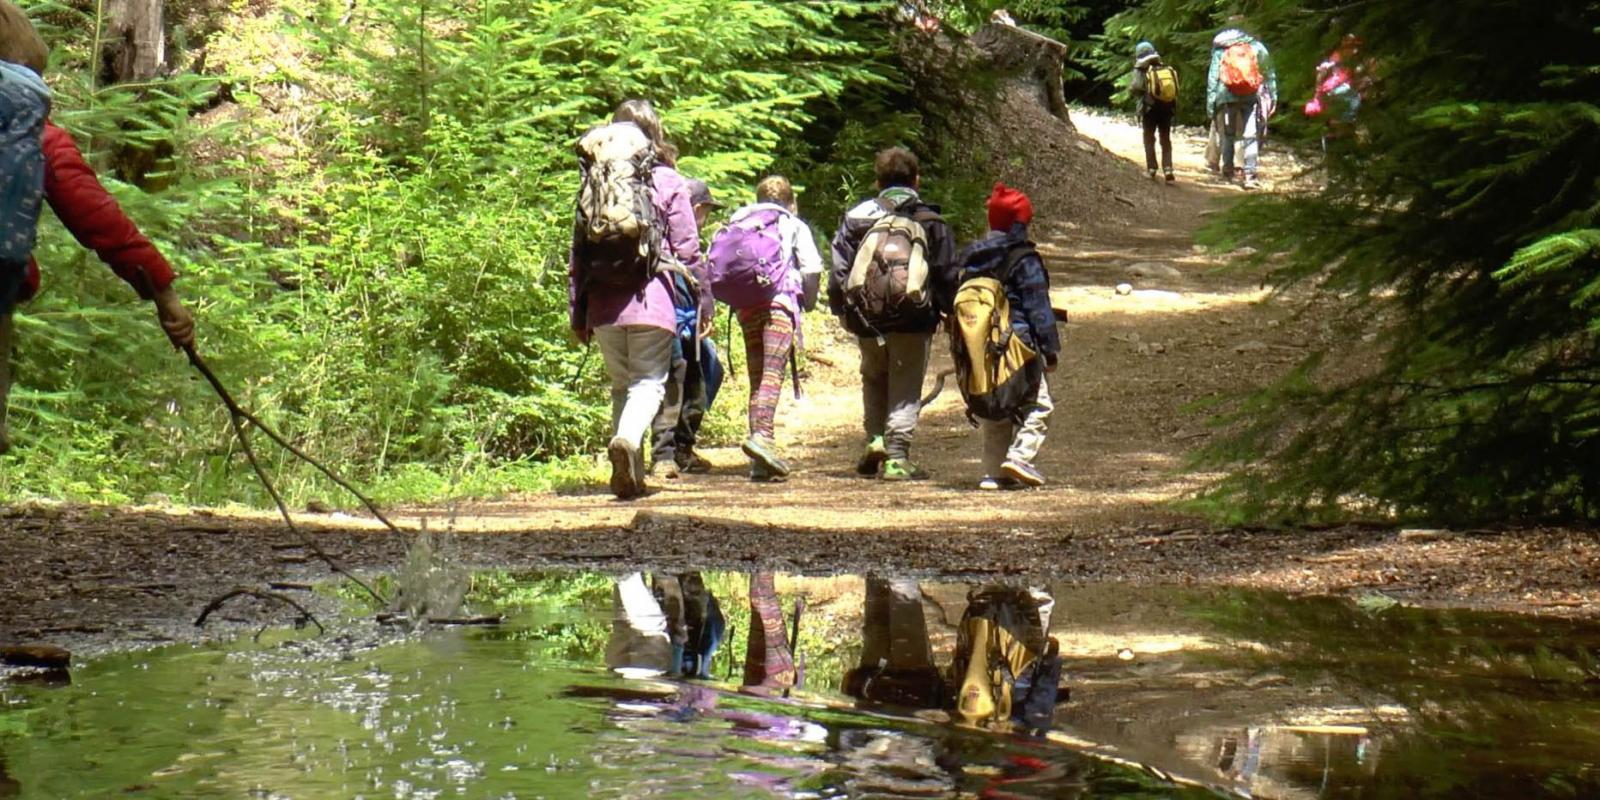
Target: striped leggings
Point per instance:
(768, 338)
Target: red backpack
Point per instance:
(1241, 72)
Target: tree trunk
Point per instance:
(1032, 58)
(135, 43)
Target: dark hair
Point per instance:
(643, 114)
(19, 41)
(896, 166)
(775, 189)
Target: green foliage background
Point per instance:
(372, 225)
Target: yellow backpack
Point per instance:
(1162, 81)
(997, 371)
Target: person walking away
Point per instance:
(709, 363)
(696, 373)
(1155, 84)
(893, 276)
(1241, 94)
(635, 231)
(765, 265)
(1004, 372)
(41, 161)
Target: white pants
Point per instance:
(1006, 440)
(638, 644)
(638, 358)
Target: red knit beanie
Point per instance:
(1007, 206)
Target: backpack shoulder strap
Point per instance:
(1014, 256)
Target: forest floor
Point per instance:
(1130, 392)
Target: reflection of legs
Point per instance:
(896, 655)
(768, 661)
(5, 378)
(639, 640)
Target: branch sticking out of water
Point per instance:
(218, 602)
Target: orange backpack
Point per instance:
(1241, 72)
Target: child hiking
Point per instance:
(894, 274)
(1241, 94)
(1004, 342)
(635, 231)
(1155, 84)
(765, 265)
(40, 162)
(696, 374)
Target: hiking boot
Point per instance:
(872, 460)
(1152, 174)
(759, 449)
(693, 463)
(627, 468)
(1022, 472)
(901, 469)
(1171, 178)
(1226, 175)
(663, 469)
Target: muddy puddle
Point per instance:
(647, 685)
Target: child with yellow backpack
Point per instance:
(1155, 84)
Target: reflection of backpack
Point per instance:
(748, 266)
(1007, 666)
(890, 274)
(1241, 72)
(616, 218)
(24, 106)
(997, 372)
(1162, 82)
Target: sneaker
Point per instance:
(901, 469)
(1152, 174)
(1171, 178)
(872, 460)
(627, 468)
(663, 469)
(1022, 472)
(693, 463)
(1226, 175)
(1251, 184)
(760, 474)
(990, 483)
(760, 452)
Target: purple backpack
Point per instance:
(748, 265)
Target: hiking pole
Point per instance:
(794, 372)
(794, 643)
(237, 417)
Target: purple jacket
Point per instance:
(653, 305)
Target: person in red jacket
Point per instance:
(92, 215)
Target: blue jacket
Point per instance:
(1027, 288)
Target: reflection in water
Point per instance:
(708, 685)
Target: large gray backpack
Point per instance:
(619, 235)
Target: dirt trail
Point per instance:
(1133, 370)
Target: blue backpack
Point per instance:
(24, 107)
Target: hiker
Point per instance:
(770, 666)
(1006, 672)
(671, 626)
(625, 254)
(1241, 95)
(765, 265)
(1155, 84)
(893, 276)
(696, 374)
(1005, 342)
(40, 160)
(896, 666)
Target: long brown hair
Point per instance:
(19, 41)
(643, 114)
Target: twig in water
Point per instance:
(260, 595)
